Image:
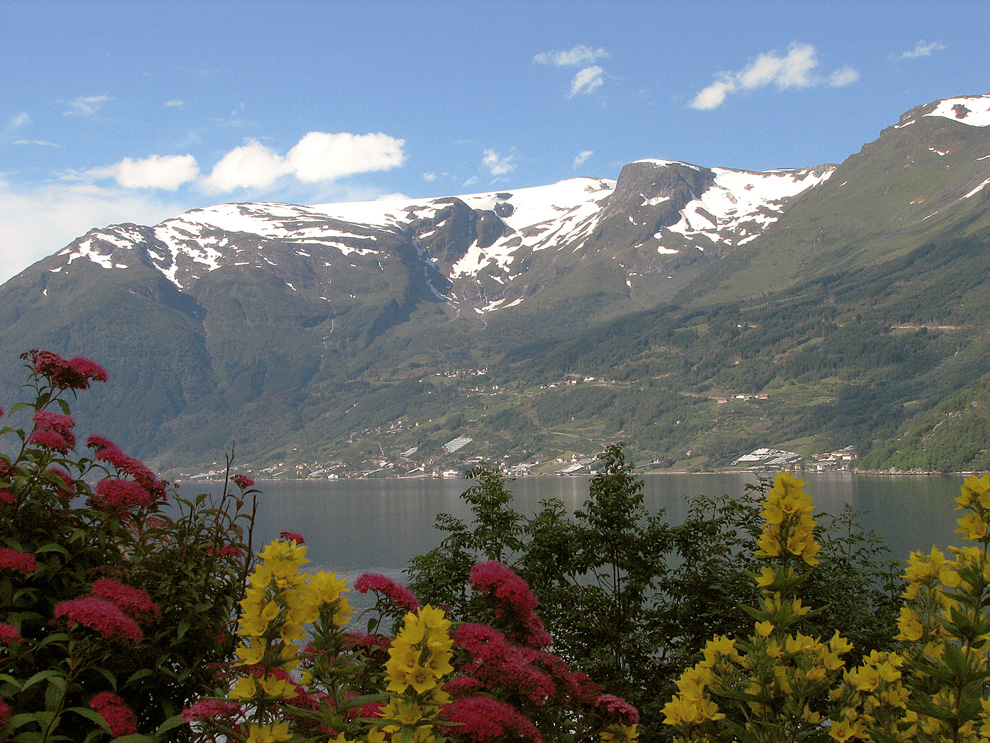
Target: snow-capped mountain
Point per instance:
(498, 236)
(276, 323)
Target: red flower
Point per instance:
(4, 713)
(134, 602)
(120, 496)
(120, 718)
(207, 709)
(243, 481)
(512, 600)
(20, 562)
(291, 536)
(99, 615)
(74, 374)
(399, 595)
(53, 431)
(487, 720)
(617, 710)
(9, 633)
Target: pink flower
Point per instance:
(399, 595)
(120, 718)
(207, 709)
(513, 601)
(20, 562)
(291, 536)
(105, 450)
(227, 551)
(487, 720)
(134, 602)
(243, 481)
(617, 710)
(74, 374)
(583, 689)
(9, 633)
(53, 431)
(99, 615)
(120, 496)
(6, 497)
(4, 713)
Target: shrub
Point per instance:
(117, 596)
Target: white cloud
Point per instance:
(843, 76)
(496, 164)
(320, 156)
(579, 55)
(166, 172)
(21, 118)
(583, 157)
(36, 222)
(921, 49)
(175, 103)
(38, 142)
(796, 69)
(317, 157)
(587, 80)
(86, 105)
(429, 177)
(249, 166)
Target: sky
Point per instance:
(137, 111)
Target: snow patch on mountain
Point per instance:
(971, 110)
(741, 204)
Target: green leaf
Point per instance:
(41, 676)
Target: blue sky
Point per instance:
(136, 111)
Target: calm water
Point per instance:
(353, 526)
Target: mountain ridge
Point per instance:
(305, 327)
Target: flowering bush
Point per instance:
(432, 681)
(117, 597)
(778, 684)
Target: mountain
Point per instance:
(541, 322)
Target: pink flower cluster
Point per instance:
(380, 584)
(111, 608)
(227, 551)
(512, 601)
(208, 709)
(19, 562)
(291, 536)
(243, 481)
(497, 664)
(134, 602)
(487, 720)
(74, 374)
(120, 718)
(9, 634)
(99, 615)
(119, 495)
(617, 710)
(53, 431)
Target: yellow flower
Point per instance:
(619, 734)
(763, 629)
(278, 731)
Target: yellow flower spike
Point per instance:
(273, 733)
(250, 654)
(767, 577)
(278, 688)
(245, 688)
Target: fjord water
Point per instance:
(376, 525)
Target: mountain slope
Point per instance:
(851, 296)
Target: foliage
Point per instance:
(776, 685)
(481, 682)
(633, 600)
(117, 599)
